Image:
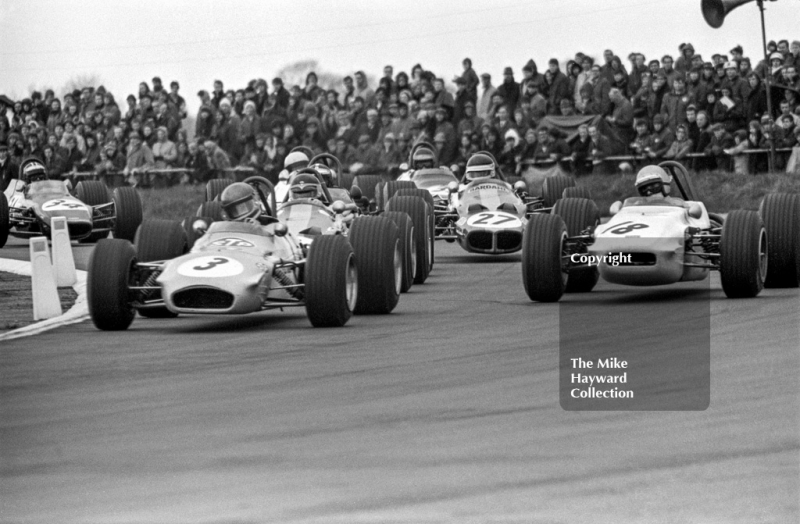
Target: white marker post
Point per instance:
(63, 261)
(46, 303)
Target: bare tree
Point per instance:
(80, 81)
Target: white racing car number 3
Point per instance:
(210, 267)
(488, 219)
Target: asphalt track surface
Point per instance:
(447, 410)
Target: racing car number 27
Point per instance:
(494, 220)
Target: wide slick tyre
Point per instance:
(576, 192)
(107, 284)
(421, 218)
(543, 274)
(376, 244)
(215, 187)
(5, 222)
(128, 206)
(331, 281)
(408, 247)
(743, 254)
(92, 192)
(579, 215)
(781, 215)
(159, 240)
(553, 188)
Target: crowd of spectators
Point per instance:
(659, 109)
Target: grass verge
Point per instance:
(17, 300)
(174, 203)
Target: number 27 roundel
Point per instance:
(210, 267)
(494, 220)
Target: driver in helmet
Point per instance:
(653, 183)
(304, 186)
(479, 167)
(33, 172)
(239, 205)
(294, 162)
(423, 158)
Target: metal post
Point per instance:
(769, 90)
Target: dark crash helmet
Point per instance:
(326, 173)
(304, 186)
(239, 202)
(32, 171)
(423, 158)
(480, 166)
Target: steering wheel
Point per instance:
(265, 191)
(327, 157)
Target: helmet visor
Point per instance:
(239, 209)
(651, 188)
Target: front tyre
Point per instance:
(579, 215)
(781, 215)
(543, 245)
(743, 254)
(5, 222)
(408, 248)
(159, 240)
(108, 295)
(331, 281)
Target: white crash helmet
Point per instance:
(295, 160)
(479, 166)
(652, 180)
(33, 171)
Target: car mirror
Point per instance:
(280, 229)
(452, 186)
(200, 227)
(615, 207)
(520, 186)
(403, 166)
(338, 207)
(695, 211)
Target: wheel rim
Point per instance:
(413, 245)
(763, 256)
(351, 283)
(398, 268)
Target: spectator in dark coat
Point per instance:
(8, 169)
(674, 103)
(755, 104)
(470, 79)
(721, 141)
(559, 88)
(581, 151)
(660, 140)
(621, 117)
(601, 148)
(509, 89)
(281, 94)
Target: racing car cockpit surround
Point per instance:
(238, 202)
(479, 167)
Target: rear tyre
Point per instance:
(743, 254)
(376, 245)
(128, 206)
(542, 248)
(428, 198)
(408, 248)
(5, 223)
(159, 240)
(215, 187)
(579, 214)
(554, 186)
(331, 281)
(391, 188)
(211, 209)
(577, 192)
(367, 184)
(107, 284)
(418, 211)
(781, 215)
